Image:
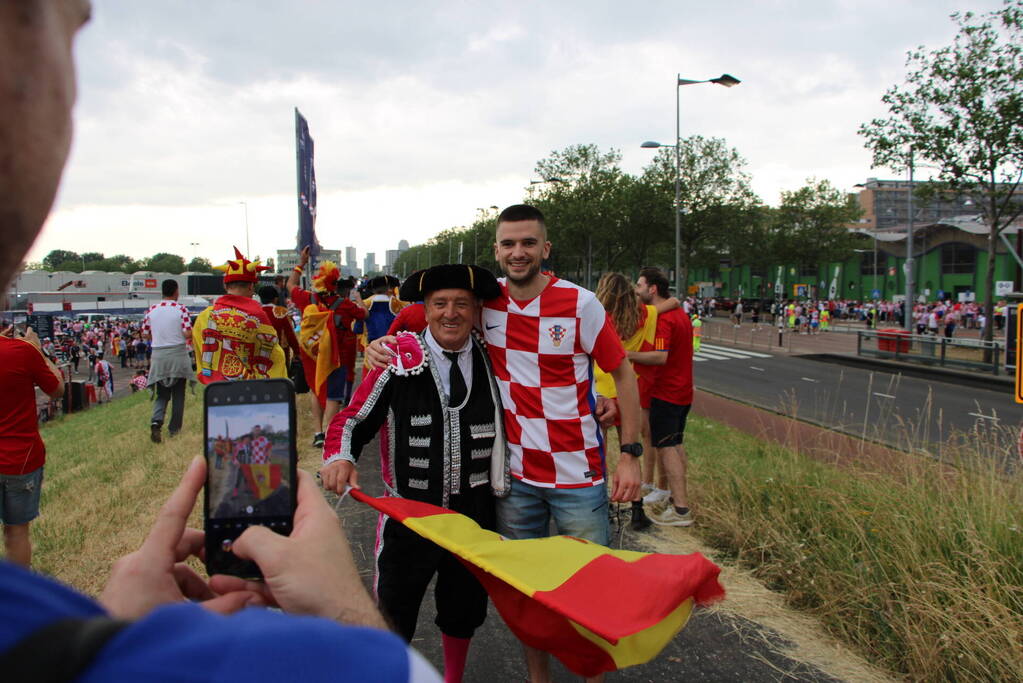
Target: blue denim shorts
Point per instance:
(19, 497)
(528, 510)
(338, 386)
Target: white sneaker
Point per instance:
(655, 496)
(671, 517)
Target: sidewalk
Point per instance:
(838, 346)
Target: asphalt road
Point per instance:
(895, 409)
(714, 646)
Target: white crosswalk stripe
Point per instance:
(710, 352)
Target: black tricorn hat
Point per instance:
(479, 281)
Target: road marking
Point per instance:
(753, 367)
(700, 360)
(878, 393)
(726, 349)
(809, 379)
(982, 416)
(712, 356)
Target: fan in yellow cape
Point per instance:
(641, 340)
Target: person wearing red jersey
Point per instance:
(233, 338)
(543, 335)
(23, 367)
(671, 393)
(327, 340)
(279, 318)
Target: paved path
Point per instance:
(715, 646)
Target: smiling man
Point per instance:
(445, 446)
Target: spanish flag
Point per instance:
(594, 608)
(315, 336)
(263, 479)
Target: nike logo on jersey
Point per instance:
(490, 327)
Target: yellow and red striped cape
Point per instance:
(595, 608)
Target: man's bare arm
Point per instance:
(648, 357)
(295, 276)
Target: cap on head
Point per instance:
(240, 269)
(479, 281)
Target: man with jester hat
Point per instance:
(326, 339)
(233, 338)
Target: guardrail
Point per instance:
(968, 354)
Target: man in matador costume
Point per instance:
(233, 338)
(439, 405)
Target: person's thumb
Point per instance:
(261, 546)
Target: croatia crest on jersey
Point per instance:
(557, 334)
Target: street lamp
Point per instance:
(195, 250)
(725, 80)
(248, 252)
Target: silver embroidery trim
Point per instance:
(364, 411)
(421, 484)
(500, 463)
(455, 449)
(419, 441)
(421, 420)
(484, 431)
(392, 452)
(480, 453)
(446, 459)
(420, 463)
(479, 479)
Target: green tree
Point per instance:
(199, 265)
(810, 226)
(59, 257)
(167, 263)
(961, 110)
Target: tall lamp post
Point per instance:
(728, 82)
(909, 266)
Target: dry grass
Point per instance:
(918, 570)
(105, 483)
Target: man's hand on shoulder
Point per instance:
(377, 354)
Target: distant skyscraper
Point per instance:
(390, 259)
(402, 246)
(369, 264)
(351, 259)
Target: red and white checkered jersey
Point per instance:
(169, 324)
(543, 352)
(261, 447)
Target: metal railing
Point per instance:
(926, 349)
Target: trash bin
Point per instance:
(893, 340)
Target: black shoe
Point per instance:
(154, 433)
(639, 519)
(318, 439)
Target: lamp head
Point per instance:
(650, 144)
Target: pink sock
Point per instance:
(456, 650)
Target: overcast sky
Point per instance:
(423, 112)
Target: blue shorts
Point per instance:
(528, 509)
(338, 386)
(19, 497)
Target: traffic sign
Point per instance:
(875, 294)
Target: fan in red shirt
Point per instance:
(22, 453)
(326, 339)
(671, 393)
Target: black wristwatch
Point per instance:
(633, 449)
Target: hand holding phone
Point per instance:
(252, 464)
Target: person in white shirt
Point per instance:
(169, 326)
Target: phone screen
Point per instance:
(251, 466)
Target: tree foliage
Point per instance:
(810, 225)
(961, 110)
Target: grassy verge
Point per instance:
(920, 570)
(105, 482)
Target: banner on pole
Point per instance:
(306, 191)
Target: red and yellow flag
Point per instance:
(595, 608)
(315, 335)
(263, 478)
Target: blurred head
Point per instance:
(37, 92)
(652, 285)
(521, 244)
(242, 289)
(267, 295)
(619, 299)
(170, 289)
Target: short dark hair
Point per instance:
(522, 212)
(170, 287)
(656, 278)
(267, 294)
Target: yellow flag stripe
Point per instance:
(646, 644)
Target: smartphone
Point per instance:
(251, 466)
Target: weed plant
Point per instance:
(920, 567)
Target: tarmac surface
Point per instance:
(716, 645)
